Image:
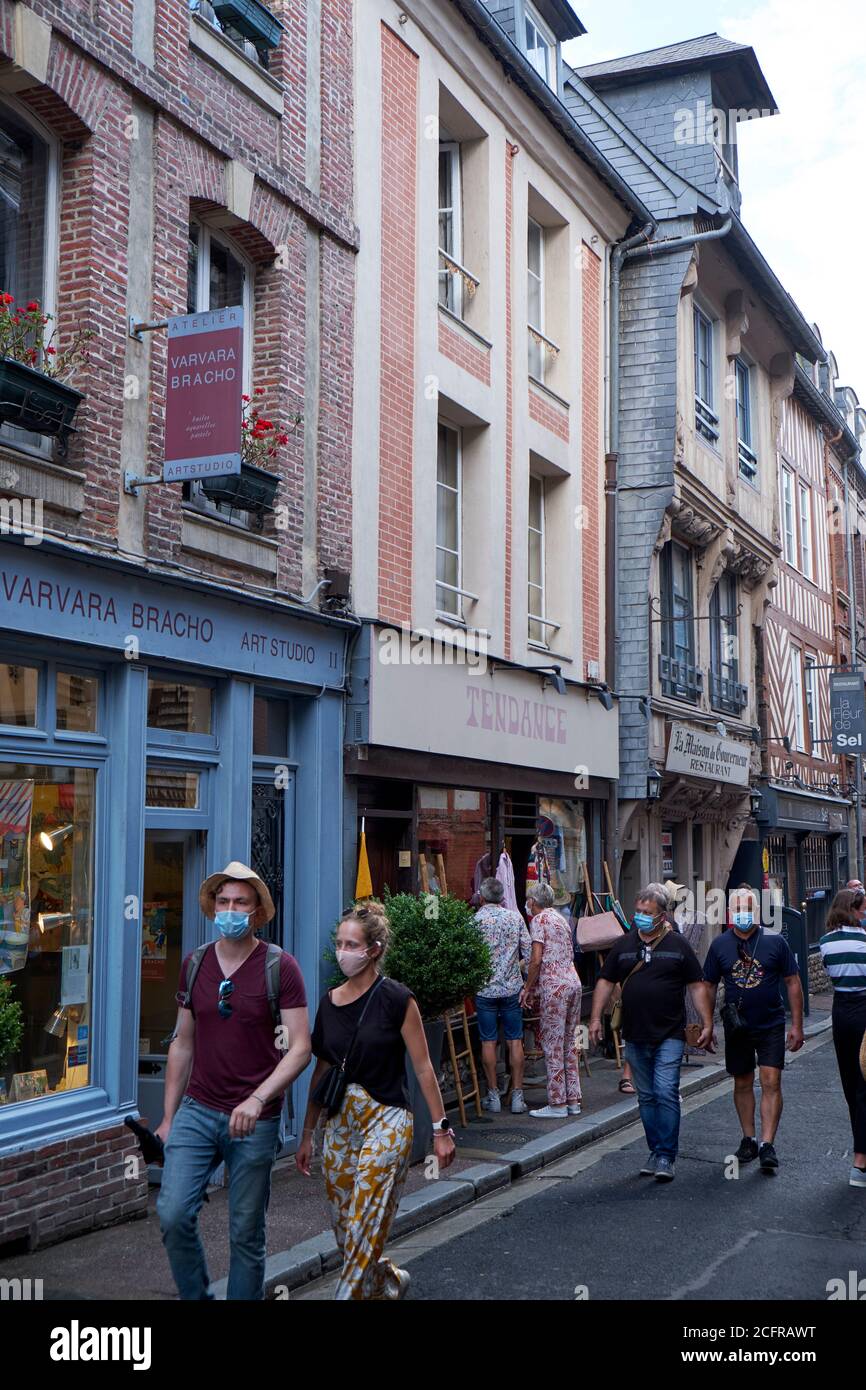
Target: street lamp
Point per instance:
(653, 785)
(755, 800)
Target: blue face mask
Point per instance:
(232, 925)
(643, 921)
(743, 920)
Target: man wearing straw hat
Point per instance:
(228, 1068)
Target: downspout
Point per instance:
(855, 661)
(637, 245)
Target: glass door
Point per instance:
(169, 931)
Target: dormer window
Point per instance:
(540, 47)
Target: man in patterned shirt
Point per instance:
(506, 935)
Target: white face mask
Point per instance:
(352, 962)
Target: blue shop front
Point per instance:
(151, 730)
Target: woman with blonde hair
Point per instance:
(362, 1033)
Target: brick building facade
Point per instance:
(156, 164)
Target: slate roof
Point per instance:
(709, 50)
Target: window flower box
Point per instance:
(250, 18)
(251, 490)
(30, 400)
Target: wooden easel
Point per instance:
(457, 1016)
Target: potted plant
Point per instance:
(11, 1026)
(438, 952)
(34, 393)
(254, 488)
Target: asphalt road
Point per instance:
(702, 1237)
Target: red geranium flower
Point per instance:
(7, 298)
(33, 306)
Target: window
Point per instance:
(449, 523)
(171, 790)
(810, 674)
(46, 919)
(450, 227)
(726, 693)
(77, 702)
(677, 669)
(218, 278)
(748, 462)
(706, 419)
(540, 48)
(535, 298)
(535, 598)
(788, 532)
(28, 214)
(19, 692)
(806, 530)
(799, 737)
(179, 706)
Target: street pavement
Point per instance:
(590, 1227)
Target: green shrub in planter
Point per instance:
(435, 950)
(11, 1026)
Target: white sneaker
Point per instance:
(574, 1109)
(492, 1102)
(550, 1112)
(857, 1177)
(518, 1104)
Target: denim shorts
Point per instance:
(490, 1011)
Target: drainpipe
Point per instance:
(855, 662)
(632, 247)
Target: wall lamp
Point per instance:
(653, 785)
(554, 675)
(54, 839)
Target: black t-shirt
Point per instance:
(378, 1058)
(756, 988)
(653, 1001)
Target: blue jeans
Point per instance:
(197, 1143)
(490, 1011)
(656, 1071)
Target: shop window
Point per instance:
(19, 694)
(46, 916)
(28, 215)
(179, 706)
(270, 727)
(817, 863)
(77, 702)
(170, 790)
(667, 852)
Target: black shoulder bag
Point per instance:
(733, 1018)
(330, 1090)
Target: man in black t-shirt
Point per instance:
(753, 963)
(654, 965)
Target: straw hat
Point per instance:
(237, 873)
(672, 889)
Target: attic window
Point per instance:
(540, 47)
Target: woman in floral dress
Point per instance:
(553, 979)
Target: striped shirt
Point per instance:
(844, 955)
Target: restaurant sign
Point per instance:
(203, 395)
(707, 755)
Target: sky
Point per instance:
(802, 171)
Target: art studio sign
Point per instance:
(700, 754)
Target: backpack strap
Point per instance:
(273, 960)
(184, 996)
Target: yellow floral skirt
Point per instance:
(365, 1158)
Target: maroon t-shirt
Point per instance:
(235, 1055)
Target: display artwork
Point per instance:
(154, 945)
(16, 810)
(27, 1085)
(75, 970)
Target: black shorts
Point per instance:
(762, 1046)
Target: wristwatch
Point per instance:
(442, 1126)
